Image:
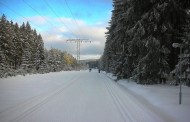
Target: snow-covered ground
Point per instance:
(164, 99)
(82, 96)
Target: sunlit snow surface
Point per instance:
(82, 96)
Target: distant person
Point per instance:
(90, 69)
(98, 70)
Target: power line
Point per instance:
(57, 16)
(66, 11)
(38, 13)
(78, 41)
(17, 13)
(20, 16)
(69, 13)
(73, 16)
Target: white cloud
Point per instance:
(38, 20)
(51, 37)
(56, 36)
(69, 21)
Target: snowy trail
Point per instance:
(77, 97)
(24, 108)
(131, 108)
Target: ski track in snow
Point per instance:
(130, 108)
(18, 112)
(77, 97)
(80, 109)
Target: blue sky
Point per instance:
(53, 19)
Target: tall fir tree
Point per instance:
(139, 39)
(2, 64)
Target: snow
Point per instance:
(164, 98)
(82, 96)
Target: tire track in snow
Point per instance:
(26, 108)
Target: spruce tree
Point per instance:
(182, 36)
(4, 37)
(51, 61)
(26, 60)
(2, 64)
(17, 48)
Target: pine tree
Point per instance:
(41, 48)
(17, 51)
(31, 45)
(2, 64)
(4, 37)
(51, 61)
(149, 38)
(26, 60)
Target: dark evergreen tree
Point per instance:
(51, 61)
(17, 51)
(26, 60)
(140, 36)
(2, 64)
(182, 36)
(4, 38)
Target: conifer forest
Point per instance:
(22, 51)
(140, 38)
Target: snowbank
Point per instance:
(163, 98)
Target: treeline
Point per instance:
(140, 37)
(58, 60)
(22, 51)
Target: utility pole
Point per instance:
(78, 41)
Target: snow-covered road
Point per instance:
(76, 96)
